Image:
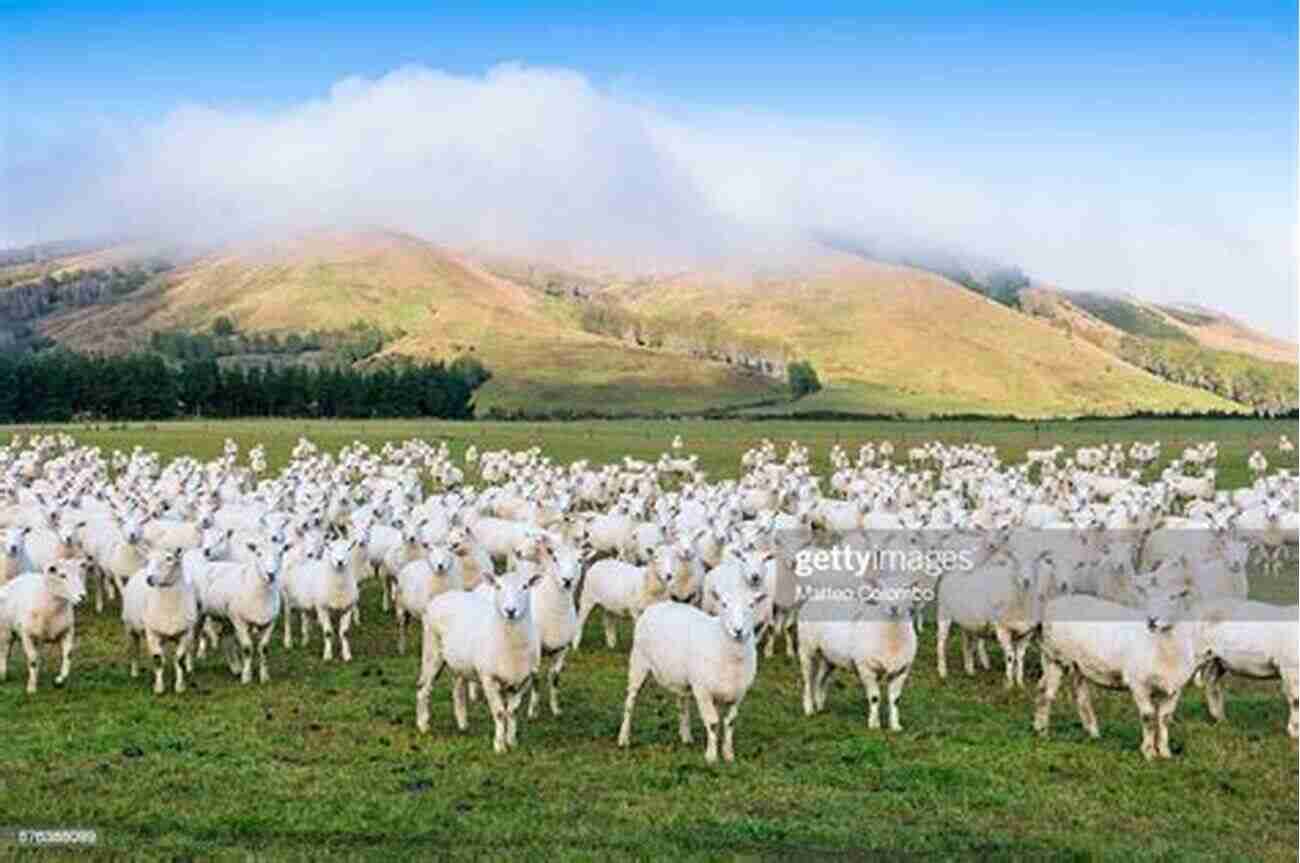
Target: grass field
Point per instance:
(325, 761)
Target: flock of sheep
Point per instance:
(1122, 577)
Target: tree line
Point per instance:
(59, 386)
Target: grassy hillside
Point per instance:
(891, 338)
(1180, 344)
(883, 338)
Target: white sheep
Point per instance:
(13, 553)
(1152, 652)
(419, 582)
(324, 587)
(1251, 639)
(160, 605)
(244, 597)
(495, 640)
(620, 589)
(691, 653)
(876, 639)
(37, 607)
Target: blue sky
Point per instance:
(1156, 108)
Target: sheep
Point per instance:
(691, 653)
(1251, 639)
(620, 589)
(37, 607)
(879, 642)
(1002, 597)
(494, 639)
(419, 582)
(324, 586)
(245, 598)
(1151, 652)
(118, 553)
(557, 620)
(45, 545)
(13, 553)
(160, 605)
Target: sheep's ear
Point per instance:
(717, 597)
(492, 579)
(251, 546)
(533, 581)
(756, 599)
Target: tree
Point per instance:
(802, 378)
(223, 326)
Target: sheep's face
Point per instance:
(736, 615)
(439, 562)
(339, 554)
(163, 569)
(67, 579)
(133, 530)
(568, 571)
(1164, 606)
(511, 594)
(269, 559)
(14, 540)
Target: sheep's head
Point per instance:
(267, 560)
(511, 593)
(15, 538)
(736, 614)
(67, 578)
(1164, 606)
(163, 568)
(339, 554)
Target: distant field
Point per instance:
(325, 762)
(718, 443)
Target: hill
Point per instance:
(884, 338)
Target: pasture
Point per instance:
(325, 760)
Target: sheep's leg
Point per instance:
(871, 688)
(200, 638)
(345, 623)
(895, 690)
(1008, 653)
(709, 714)
(401, 631)
(684, 719)
(382, 579)
(99, 591)
(941, 646)
(245, 650)
(584, 611)
(430, 667)
(808, 670)
(967, 657)
(327, 633)
(154, 643)
(1163, 715)
(1052, 674)
(33, 662)
(458, 705)
(288, 628)
(788, 629)
(191, 642)
(637, 670)
(1291, 690)
(513, 700)
(65, 667)
(6, 645)
(729, 733)
(135, 655)
(1211, 676)
(611, 629)
(497, 706)
(183, 658)
(472, 688)
(304, 622)
(553, 679)
(1022, 648)
(1147, 713)
(769, 647)
(823, 684)
(1083, 701)
(264, 673)
(982, 650)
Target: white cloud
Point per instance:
(540, 160)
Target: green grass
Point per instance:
(325, 761)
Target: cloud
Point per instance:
(531, 160)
